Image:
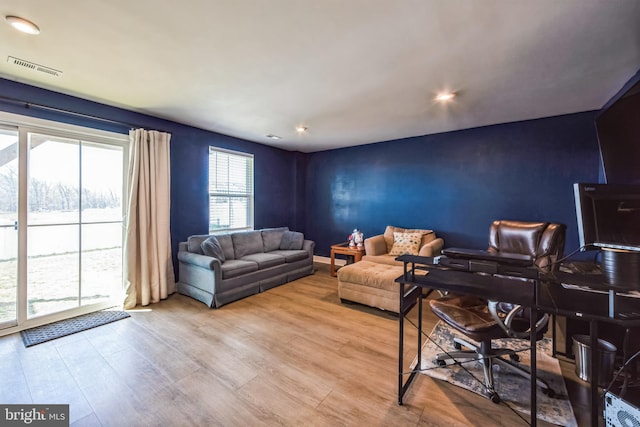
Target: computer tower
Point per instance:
(620, 413)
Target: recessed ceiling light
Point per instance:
(301, 129)
(272, 136)
(22, 24)
(445, 96)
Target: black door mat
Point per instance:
(49, 332)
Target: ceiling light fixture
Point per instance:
(22, 24)
(272, 136)
(301, 129)
(445, 96)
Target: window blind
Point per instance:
(230, 190)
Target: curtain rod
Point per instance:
(28, 105)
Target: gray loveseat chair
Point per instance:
(219, 269)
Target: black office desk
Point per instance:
(490, 287)
(546, 294)
(610, 306)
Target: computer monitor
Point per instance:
(618, 129)
(608, 216)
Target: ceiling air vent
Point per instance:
(35, 67)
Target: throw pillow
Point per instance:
(406, 243)
(292, 240)
(427, 235)
(211, 247)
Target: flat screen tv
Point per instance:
(618, 128)
(608, 216)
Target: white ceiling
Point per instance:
(352, 71)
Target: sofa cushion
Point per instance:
(247, 243)
(265, 260)
(382, 259)
(427, 235)
(371, 274)
(292, 240)
(194, 243)
(237, 267)
(227, 245)
(211, 247)
(272, 237)
(405, 243)
(292, 255)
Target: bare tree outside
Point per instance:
(46, 197)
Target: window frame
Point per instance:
(249, 184)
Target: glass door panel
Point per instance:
(53, 275)
(102, 232)
(8, 227)
(101, 262)
(53, 231)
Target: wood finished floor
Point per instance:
(290, 356)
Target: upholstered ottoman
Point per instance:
(370, 283)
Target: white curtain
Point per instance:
(148, 266)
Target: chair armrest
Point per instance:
(433, 248)
(375, 245)
(505, 321)
(204, 261)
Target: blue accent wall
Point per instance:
(455, 183)
(277, 172)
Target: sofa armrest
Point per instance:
(309, 246)
(375, 245)
(199, 260)
(433, 248)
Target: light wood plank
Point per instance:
(293, 355)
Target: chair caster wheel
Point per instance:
(441, 363)
(549, 392)
(493, 396)
(514, 358)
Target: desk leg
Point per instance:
(403, 303)
(553, 335)
(402, 386)
(533, 369)
(594, 372)
(418, 366)
(400, 349)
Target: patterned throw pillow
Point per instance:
(406, 243)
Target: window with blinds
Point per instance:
(230, 191)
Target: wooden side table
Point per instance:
(344, 249)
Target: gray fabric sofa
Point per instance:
(226, 267)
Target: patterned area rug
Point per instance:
(49, 332)
(512, 388)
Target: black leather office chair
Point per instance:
(484, 321)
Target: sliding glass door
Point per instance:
(61, 223)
